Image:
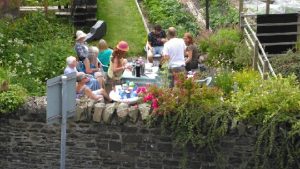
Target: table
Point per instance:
(148, 78)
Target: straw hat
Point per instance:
(123, 46)
(80, 34)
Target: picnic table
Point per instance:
(151, 77)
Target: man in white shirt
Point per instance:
(174, 49)
(174, 52)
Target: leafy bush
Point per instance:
(242, 57)
(194, 113)
(220, 47)
(287, 64)
(41, 2)
(12, 96)
(273, 105)
(34, 53)
(222, 13)
(171, 13)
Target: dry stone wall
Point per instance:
(26, 141)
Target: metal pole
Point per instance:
(63, 123)
(268, 6)
(265, 70)
(242, 23)
(255, 55)
(207, 14)
(241, 6)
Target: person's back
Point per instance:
(174, 48)
(104, 57)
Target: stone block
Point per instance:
(144, 110)
(122, 112)
(108, 112)
(81, 111)
(115, 146)
(98, 111)
(133, 114)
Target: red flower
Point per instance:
(148, 97)
(154, 103)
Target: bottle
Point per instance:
(133, 69)
(138, 70)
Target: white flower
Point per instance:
(28, 64)
(0, 61)
(1, 35)
(17, 55)
(9, 41)
(18, 62)
(1, 51)
(28, 71)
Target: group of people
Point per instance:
(181, 54)
(95, 66)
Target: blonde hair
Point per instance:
(93, 54)
(102, 44)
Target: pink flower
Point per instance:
(154, 104)
(141, 90)
(148, 97)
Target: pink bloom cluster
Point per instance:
(141, 90)
(151, 98)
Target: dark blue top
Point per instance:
(155, 40)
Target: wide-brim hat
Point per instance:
(123, 46)
(82, 76)
(80, 34)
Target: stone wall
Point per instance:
(26, 141)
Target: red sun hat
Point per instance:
(123, 46)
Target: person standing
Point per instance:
(191, 52)
(104, 54)
(155, 44)
(173, 52)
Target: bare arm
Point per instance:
(189, 56)
(88, 68)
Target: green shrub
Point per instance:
(224, 81)
(171, 13)
(242, 57)
(34, 55)
(41, 2)
(222, 13)
(220, 47)
(12, 99)
(287, 64)
(273, 105)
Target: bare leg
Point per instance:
(105, 95)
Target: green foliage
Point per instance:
(222, 13)
(224, 80)
(194, 113)
(287, 64)
(12, 96)
(171, 13)
(242, 56)
(34, 53)
(274, 106)
(220, 47)
(41, 2)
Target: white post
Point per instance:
(63, 123)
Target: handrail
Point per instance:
(260, 57)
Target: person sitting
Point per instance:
(93, 54)
(83, 90)
(92, 83)
(155, 44)
(118, 63)
(71, 65)
(173, 52)
(191, 53)
(104, 54)
(82, 51)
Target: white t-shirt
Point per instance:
(69, 70)
(175, 48)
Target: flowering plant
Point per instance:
(149, 97)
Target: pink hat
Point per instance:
(123, 46)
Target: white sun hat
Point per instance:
(80, 34)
